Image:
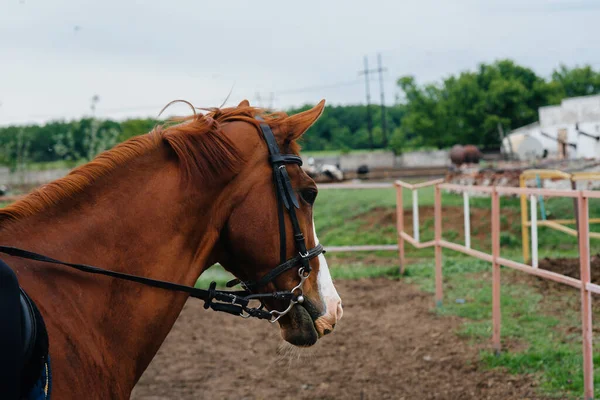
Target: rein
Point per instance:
(233, 302)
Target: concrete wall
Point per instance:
(30, 177)
(333, 160)
(571, 111)
(351, 162)
(386, 159)
(552, 115)
(585, 108)
(435, 158)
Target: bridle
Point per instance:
(235, 302)
(286, 198)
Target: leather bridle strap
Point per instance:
(232, 302)
(285, 266)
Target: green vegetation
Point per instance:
(541, 341)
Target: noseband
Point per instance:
(235, 302)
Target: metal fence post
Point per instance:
(439, 291)
(524, 221)
(400, 226)
(534, 232)
(467, 214)
(496, 316)
(586, 297)
(415, 204)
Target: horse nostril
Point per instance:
(326, 331)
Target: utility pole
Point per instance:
(366, 72)
(380, 69)
(271, 99)
(258, 99)
(265, 102)
(94, 101)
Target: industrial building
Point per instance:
(570, 130)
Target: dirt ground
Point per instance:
(571, 267)
(389, 345)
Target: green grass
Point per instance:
(215, 273)
(342, 270)
(339, 218)
(548, 342)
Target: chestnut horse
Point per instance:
(165, 205)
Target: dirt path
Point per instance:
(388, 346)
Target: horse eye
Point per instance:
(308, 195)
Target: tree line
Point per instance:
(466, 108)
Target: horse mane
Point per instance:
(203, 153)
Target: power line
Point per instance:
(315, 88)
(270, 99)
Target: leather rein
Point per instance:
(234, 302)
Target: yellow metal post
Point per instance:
(524, 220)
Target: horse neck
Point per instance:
(134, 220)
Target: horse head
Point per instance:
(251, 240)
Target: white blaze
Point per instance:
(327, 291)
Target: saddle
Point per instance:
(31, 359)
(28, 326)
(36, 378)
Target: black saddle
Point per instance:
(29, 326)
(24, 338)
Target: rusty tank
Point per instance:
(468, 154)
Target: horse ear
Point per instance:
(299, 123)
(244, 103)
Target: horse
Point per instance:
(166, 206)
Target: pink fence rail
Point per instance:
(584, 285)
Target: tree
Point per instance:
(579, 81)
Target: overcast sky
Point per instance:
(138, 55)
